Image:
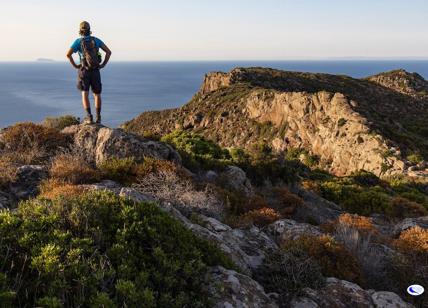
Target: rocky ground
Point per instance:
(247, 246)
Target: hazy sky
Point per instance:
(218, 29)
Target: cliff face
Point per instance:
(350, 124)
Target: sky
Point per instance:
(187, 30)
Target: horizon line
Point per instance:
(48, 60)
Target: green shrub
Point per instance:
(121, 170)
(365, 178)
(415, 158)
(198, 152)
(60, 122)
(101, 249)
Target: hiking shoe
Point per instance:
(98, 120)
(88, 119)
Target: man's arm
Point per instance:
(108, 55)
(70, 58)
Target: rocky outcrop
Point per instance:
(100, 143)
(236, 178)
(231, 289)
(343, 294)
(287, 229)
(409, 223)
(326, 124)
(350, 124)
(403, 82)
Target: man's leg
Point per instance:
(98, 103)
(86, 106)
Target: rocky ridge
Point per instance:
(350, 124)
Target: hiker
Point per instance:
(88, 76)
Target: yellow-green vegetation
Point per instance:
(121, 170)
(60, 122)
(363, 193)
(197, 151)
(100, 250)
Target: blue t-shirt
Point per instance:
(78, 48)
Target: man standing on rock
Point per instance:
(88, 76)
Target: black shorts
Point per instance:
(89, 79)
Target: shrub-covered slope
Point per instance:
(351, 124)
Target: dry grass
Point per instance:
(333, 257)
(287, 201)
(7, 170)
(153, 165)
(362, 224)
(413, 240)
(260, 217)
(312, 186)
(32, 143)
(72, 168)
(53, 189)
(169, 186)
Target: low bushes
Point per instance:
(122, 170)
(72, 168)
(33, 143)
(60, 122)
(260, 217)
(411, 264)
(364, 194)
(333, 258)
(100, 249)
(52, 189)
(8, 170)
(288, 272)
(198, 152)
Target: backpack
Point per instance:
(90, 57)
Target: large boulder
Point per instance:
(236, 178)
(230, 289)
(100, 143)
(287, 229)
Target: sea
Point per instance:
(31, 91)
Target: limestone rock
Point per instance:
(246, 247)
(287, 229)
(27, 181)
(100, 143)
(230, 289)
(409, 223)
(389, 300)
(237, 179)
(344, 294)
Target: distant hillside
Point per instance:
(378, 124)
